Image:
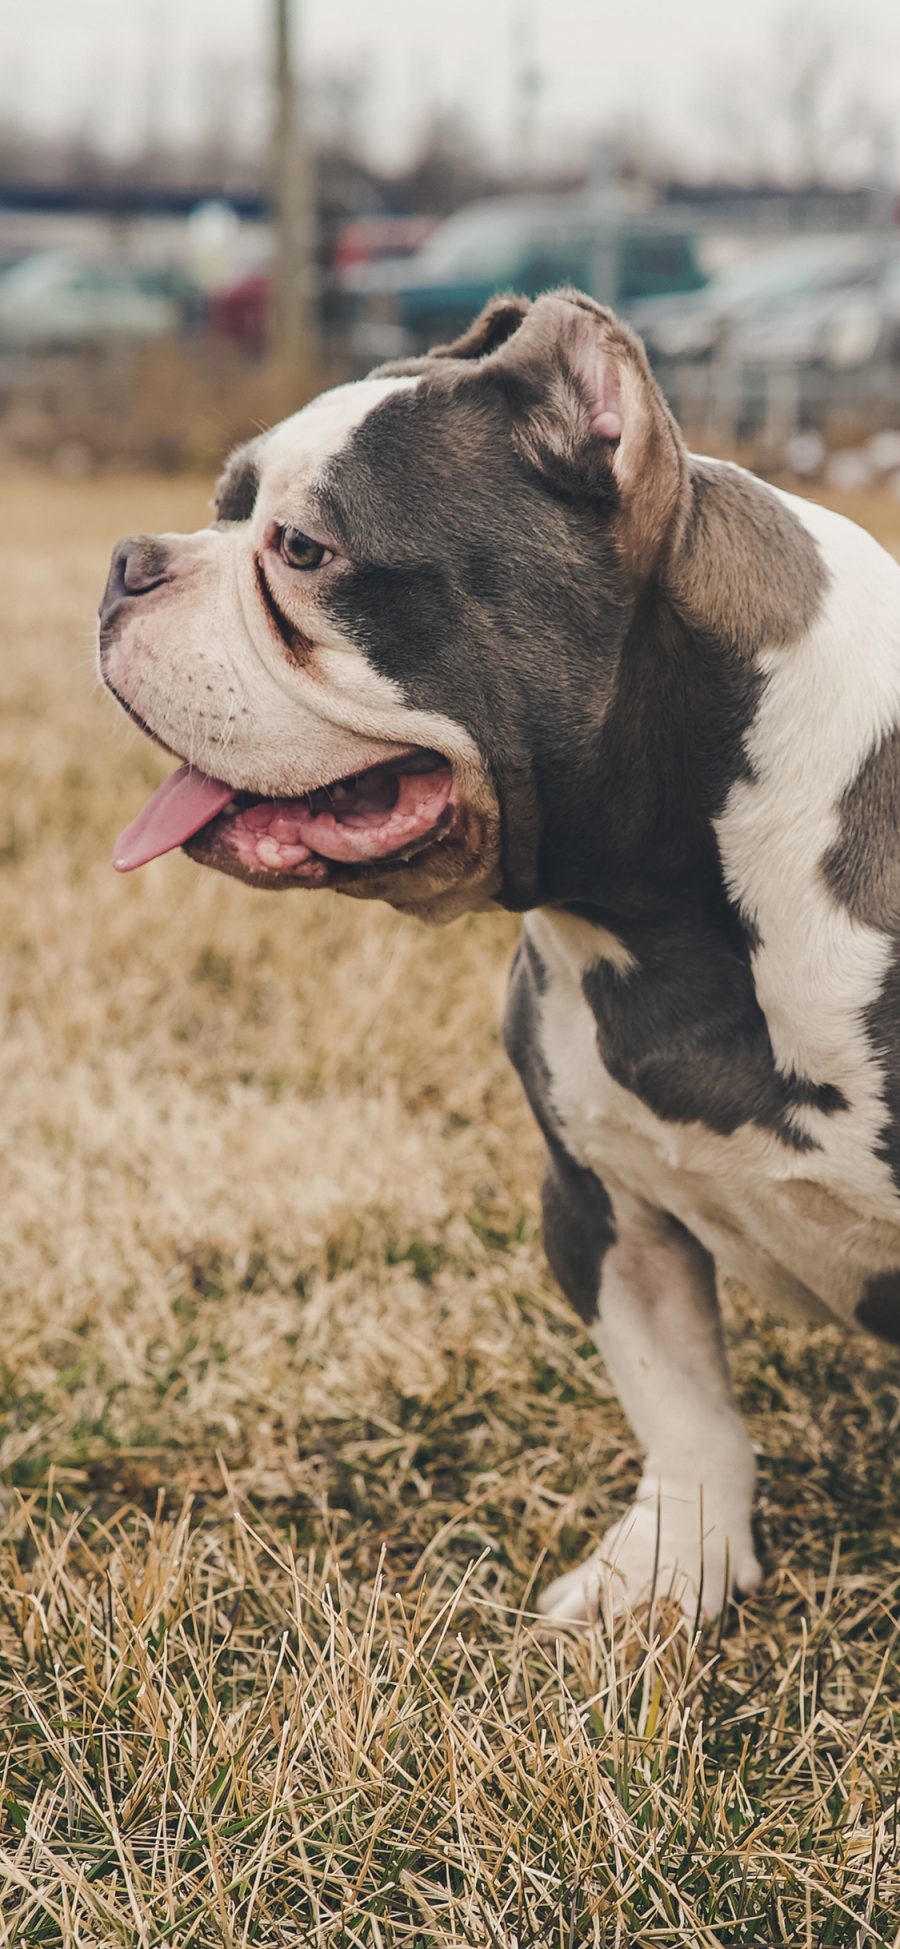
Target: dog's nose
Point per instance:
(138, 563)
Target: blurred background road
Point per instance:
(206, 214)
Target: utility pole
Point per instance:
(294, 323)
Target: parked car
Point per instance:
(54, 301)
(844, 322)
(367, 239)
(792, 334)
(526, 244)
(756, 296)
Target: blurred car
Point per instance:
(778, 299)
(369, 238)
(845, 321)
(54, 301)
(799, 329)
(527, 244)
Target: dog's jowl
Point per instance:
(479, 630)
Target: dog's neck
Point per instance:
(628, 834)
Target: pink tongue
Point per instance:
(187, 801)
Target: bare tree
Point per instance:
(799, 116)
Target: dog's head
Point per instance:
(389, 659)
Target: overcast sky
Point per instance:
(692, 70)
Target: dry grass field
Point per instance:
(294, 1422)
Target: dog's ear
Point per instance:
(238, 484)
(500, 317)
(588, 412)
(494, 325)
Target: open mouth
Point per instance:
(390, 812)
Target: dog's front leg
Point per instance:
(688, 1531)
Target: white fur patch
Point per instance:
(828, 702)
(577, 942)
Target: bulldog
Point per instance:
(479, 631)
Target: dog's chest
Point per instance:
(801, 1226)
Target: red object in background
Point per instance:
(240, 313)
(369, 238)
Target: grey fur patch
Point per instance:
(879, 1309)
(578, 1229)
(862, 871)
(744, 568)
(238, 486)
(882, 1017)
(684, 1031)
(521, 1019)
(578, 1217)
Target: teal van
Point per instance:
(511, 243)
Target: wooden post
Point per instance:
(294, 324)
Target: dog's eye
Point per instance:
(300, 551)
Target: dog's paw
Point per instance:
(659, 1549)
